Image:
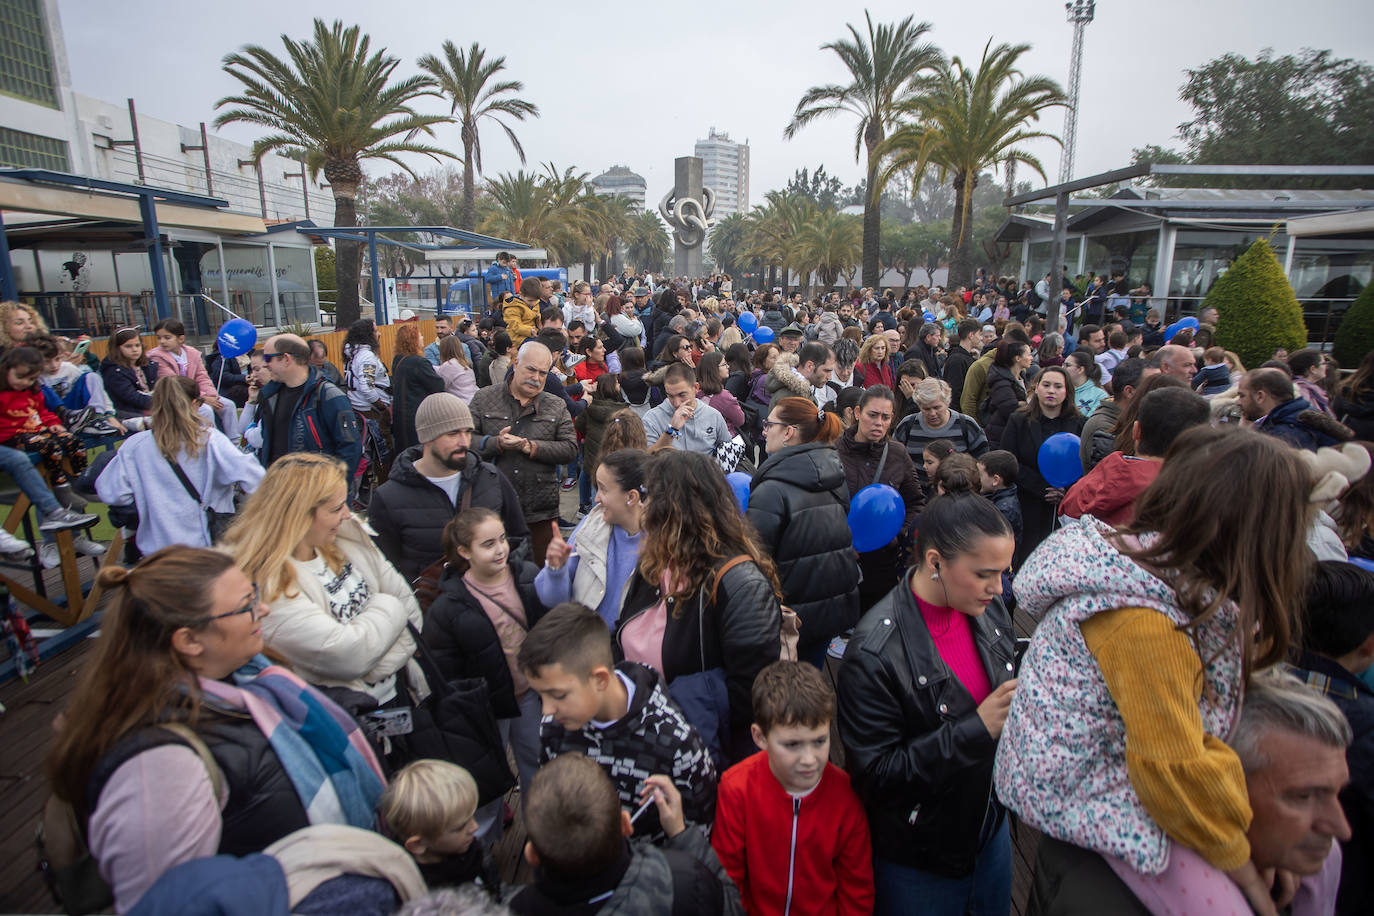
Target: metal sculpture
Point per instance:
(687, 209)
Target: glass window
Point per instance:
(1039, 263)
(32, 151)
(1130, 253)
(250, 283)
(26, 65)
(295, 285)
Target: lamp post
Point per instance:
(1080, 13)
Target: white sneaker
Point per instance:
(48, 555)
(88, 547)
(13, 548)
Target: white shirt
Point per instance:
(448, 484)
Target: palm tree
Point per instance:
(882, 66)
(964, 122)
(462, 78)
(647, 242)
(333, 105)
(728, 240)
(773, 229)
(604, 222)
(542, 210)
(829, 242)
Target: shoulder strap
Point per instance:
(877, 475)
(185, 481)
(725, 568)
(188, 734)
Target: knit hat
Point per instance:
(440, 414)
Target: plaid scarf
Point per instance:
(321, 747)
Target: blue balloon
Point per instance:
(1171, 330)
(1363, 563)
(747, 322)
(739, 483)
(1059, 460)
(763, 335)
(1187, 322)
(929, 316)
(236, 338)
(876, 514)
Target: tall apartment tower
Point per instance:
(725, 170)
(619, 181)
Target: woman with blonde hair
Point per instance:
(873, 367)
(18, 322)
(339, 609)
(177, 472)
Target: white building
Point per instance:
(44, 124)
(725, 170)
(619, 181)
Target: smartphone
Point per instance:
(1022, 644)
(81, 347)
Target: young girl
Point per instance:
(27, 424)
(935, 452)
(1135, 675)
(486, 605)
(129, 377)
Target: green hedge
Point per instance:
(1355, 336)
(1257, 310)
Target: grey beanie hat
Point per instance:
(440, 414)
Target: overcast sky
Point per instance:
(637, 83)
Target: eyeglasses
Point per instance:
(768, 423)
(251, 609)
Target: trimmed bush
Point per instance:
(1257, 310)
(1355, 336)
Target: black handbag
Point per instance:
(215, 522)
(456, 723)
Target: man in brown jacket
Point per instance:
(527, 432)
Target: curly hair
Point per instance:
(691, 526)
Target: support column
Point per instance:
(147, 207)
(1164, 267)
(1061, 220)
(8, 290)
(378, 305)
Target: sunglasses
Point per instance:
(268, 357)
(251, 609)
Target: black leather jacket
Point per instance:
(918, 755)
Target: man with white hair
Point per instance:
(527, 433)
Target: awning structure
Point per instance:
(472, 247)
(1348, 222)
(94, 205)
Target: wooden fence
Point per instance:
(333, 341)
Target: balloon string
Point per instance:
(211, 300)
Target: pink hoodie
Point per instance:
(195, 368)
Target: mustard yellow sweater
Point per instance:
(1190, 782)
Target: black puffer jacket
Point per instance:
(740, 632)
(464, 641)
(263, 805)
(1005, 393)
(409, 513)
(412, 380)
(918, 755)
(799, 504)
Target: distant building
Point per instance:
(725, 170)
(619, 181)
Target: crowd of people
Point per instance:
(609, 561)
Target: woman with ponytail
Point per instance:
(799, 504)
(178, 673)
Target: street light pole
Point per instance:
(1080, 13)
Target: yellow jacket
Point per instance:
(521, 321)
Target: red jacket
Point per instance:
(1110, 489)
(24, 412)
(876, 375)
(766, 839)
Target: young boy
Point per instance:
(790, 831)
(577, 842)
(428, 808)
(998, 471)
(618, 715)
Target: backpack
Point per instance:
(70, 871)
